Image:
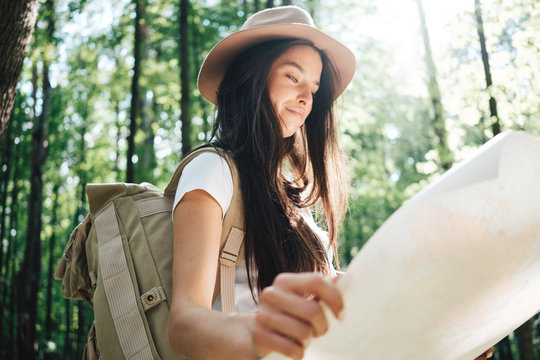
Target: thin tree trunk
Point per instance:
(31, 267)
(49, 327)
(6, 161)
(256, 5)
(67, 335)
(118, 138)
(496, 124)
(525, 341)
(82, 330)
(8, 340)
(286, 2)
(81, 323)
(439, 123)
(12, 340)
(134, 112)
(185, 102)
(269, 3)
(504, 349)
(17, 20)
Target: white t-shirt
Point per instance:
(211, 173)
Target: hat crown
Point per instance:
(277, 16)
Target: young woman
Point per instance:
(274, 83)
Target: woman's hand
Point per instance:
(290, 313)
(486, 355)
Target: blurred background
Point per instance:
(108, 93)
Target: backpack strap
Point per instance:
(118, 287)
(227, 266)
(232, 238)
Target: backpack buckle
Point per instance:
(228, 259)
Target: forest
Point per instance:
(105, 91)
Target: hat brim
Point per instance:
(219, 58)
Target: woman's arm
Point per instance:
(196, 331)
(289, 313)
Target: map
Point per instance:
(453, 271)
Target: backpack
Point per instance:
(119, 261)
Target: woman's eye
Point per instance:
(293, 79)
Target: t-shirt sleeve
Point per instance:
(211, 173)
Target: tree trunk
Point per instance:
(49, 326)
(504, 349)
(6, 161)
(12, 327)
(256, 5)
(31, 267)
(67, 335)
(81, 323)
(30, 272)
(17, 20)
(116, 167)
(525, 341)
(134, 111)
(286, 2)
(496, 124)
(7, 272)
(439, 123)
(185, 102)
(269, 3)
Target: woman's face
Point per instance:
(293, 80)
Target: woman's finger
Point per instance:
(311, 283)
(298, 311)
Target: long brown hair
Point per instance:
(277, 239)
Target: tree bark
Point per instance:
(439, 123)
(269, 3)
(185, 102)
(134, 111)
(17, 20)
(496, 124)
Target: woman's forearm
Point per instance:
(199, 333)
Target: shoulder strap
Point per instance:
(233, 228)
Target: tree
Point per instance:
(439, 123)
(495, 125)
(17, 20)
(140, 6)
(30, 271)
(185, 81)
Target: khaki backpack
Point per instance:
(119, 261)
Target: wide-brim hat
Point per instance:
(286, 22)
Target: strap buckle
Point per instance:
(228, 259)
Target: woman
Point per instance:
(274, 83)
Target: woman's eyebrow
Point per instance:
(301, 69)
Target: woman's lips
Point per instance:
(296, 111)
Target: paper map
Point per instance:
(453, 271)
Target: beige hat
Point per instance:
(286, 22)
